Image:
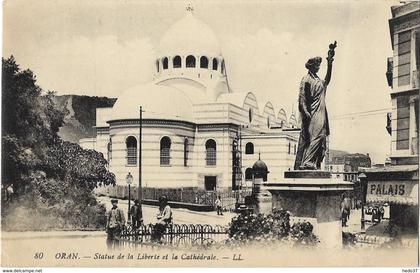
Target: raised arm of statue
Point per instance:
(329, 73)
(330, 60)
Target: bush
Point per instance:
(35, 214)
(349, 239)
(272, 228)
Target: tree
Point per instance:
(52, 176)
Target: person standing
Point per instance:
(114, 224)
(218, 204)
(136, 214)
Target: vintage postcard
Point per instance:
(201, 133)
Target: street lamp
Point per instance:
(129, 180)
(363, 184)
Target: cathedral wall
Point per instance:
(274, 152)
(223, 168)
(154, 174)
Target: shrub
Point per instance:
(272, 228)
(349, 239)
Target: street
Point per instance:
(180, 216)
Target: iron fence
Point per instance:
(175, 235)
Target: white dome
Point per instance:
(189, 36)
(159, 102)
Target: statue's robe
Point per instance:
(314, 130)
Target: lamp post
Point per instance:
(139, 192)
(129, 180)
(363, 185)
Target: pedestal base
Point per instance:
(316, 200)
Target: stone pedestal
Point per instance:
(261, 197)
(315, 197)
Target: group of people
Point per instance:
(116, 221)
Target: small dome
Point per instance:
(189, 36)
(159, 102)
(260, 167)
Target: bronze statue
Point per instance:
(313, 112)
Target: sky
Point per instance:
(104, 47)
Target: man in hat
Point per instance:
(115, 223)
(313, 112)
(136, 214)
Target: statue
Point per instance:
(313, 112)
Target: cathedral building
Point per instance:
(196, 131)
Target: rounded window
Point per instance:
(204, 62)
(211, 152)
(177, 62)
(165, 151)
(131, 150)
(165, 63)
(215, 64)
(249, 148)
(248, 174)
(190, 61)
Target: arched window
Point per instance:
(249, 148)
(204, 62)
(294, 149)
(248, 174)
(131, 144)
(165, 63)
(186, 152)
(165, 151)
(250, 114)
(289, 148)
(223, 67)
(157, 66)
(190, 61)
(215, 64)
(177, 62)
(211, 152)
(109, 148)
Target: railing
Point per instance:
(231, 198)
(175, 235)
(186, 195)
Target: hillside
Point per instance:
(80, 115)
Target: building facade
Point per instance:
(196, 131)
(397, 183)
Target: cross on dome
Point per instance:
(190, 8)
